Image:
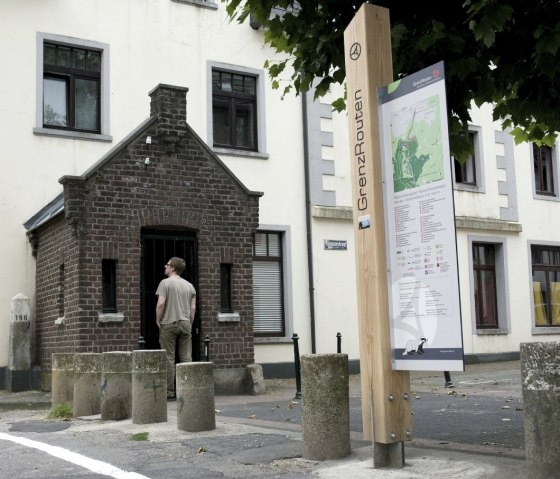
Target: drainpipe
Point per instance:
(308, 220)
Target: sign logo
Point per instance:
(355, 51)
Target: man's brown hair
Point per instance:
(178, 265)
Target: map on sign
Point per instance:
(416, 144)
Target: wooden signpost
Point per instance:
(386, 393)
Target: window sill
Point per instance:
(545, 197)
(75, 135)
(199, 3)
(491, 332)
(545, 330)
(273, 340)
(245, 154)
(111, 317)
(228, 317)
(469, 188)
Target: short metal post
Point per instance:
(207, 349)
(338, 343)
(448, 382)
(297, 365)
(141, 343)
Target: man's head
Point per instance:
(176, 265)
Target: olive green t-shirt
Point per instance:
(178, 293)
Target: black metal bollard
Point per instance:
(141, 343)
(297, 365)
(207, 349)
(338, 343)
(448, 382)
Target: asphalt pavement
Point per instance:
(474, 430)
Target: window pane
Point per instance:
(238, 83)
(261, 248)
(244, 125)
(221, 119)
(225, 288)
(109, 285)
(93, 63)
(49, 54)
(540, 296)
(80, 59)
(63, 56)
(226, 82)
(86, 104)
(250, 85)
(55, 112)
(274, 245)
(215, 80)
(267, 297)
(487, 298)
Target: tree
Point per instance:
(502, 52)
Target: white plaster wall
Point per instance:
(151, 42)
(335, 288)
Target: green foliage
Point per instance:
(139, 436)
(61, 411)
(499, 52)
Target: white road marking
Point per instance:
(93, 465)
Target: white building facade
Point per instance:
(78, 83)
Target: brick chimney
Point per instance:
(169, 104)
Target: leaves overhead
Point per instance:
(502, 52)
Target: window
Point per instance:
(485, 295)
(469, 176)
(225, 288)
(61, 280)
(109, 285)
(465, 173)
(234, 110)
(543, 170)
(268, 294)
(72, 88)
(546, 285)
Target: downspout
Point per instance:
(308, 220)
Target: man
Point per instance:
(175, 310)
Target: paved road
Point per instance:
(472, 431)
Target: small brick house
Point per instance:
(102, 244)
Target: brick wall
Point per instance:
(184, 188)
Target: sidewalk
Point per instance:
(273, 419)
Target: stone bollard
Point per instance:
(87, 384)
(62, 382)
(326, 406)
(149, 386)
(116, 385)
(540, 380)
(256, 372)
(195, 397)
(19, 376)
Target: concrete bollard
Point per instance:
(326, 406)
(116, 385)
(149, 386)
(540, 381)
(195, 397)
(19, 376)
(87, 384)
(62, 382)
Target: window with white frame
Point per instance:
(544, 169)
(72, 86)
(545, 261)
(268, 284)
(489, 285)
(469, 175)
(236, 110)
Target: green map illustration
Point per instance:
(417, 144)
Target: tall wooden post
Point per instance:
(367, 43)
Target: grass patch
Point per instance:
(139, 436)
(61, 411)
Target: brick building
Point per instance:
(102, 244)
